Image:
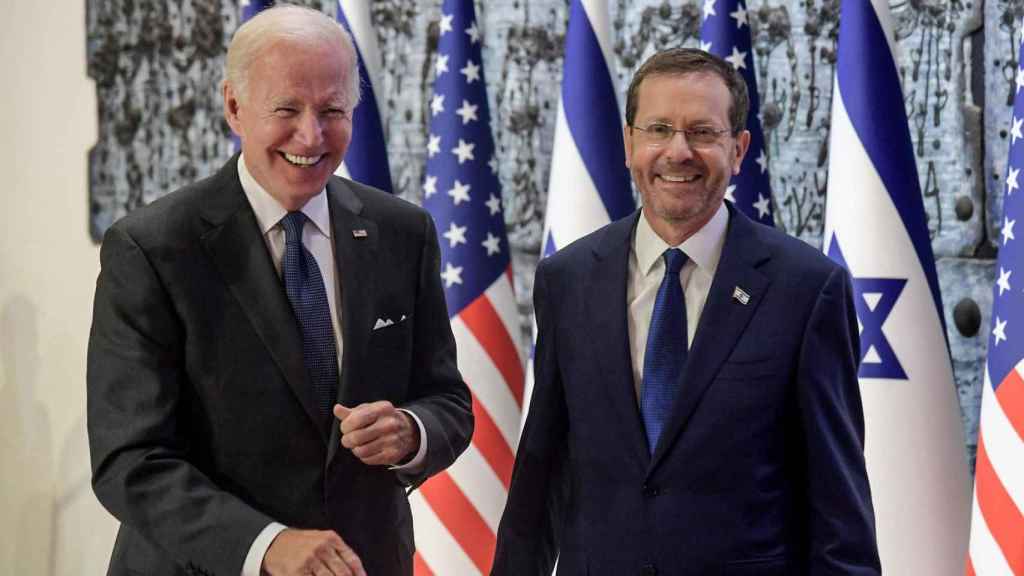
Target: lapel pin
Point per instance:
(740, 295)
(359, 233)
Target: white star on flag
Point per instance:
(1004, 280)
(474, 33)
(456, 235)
(729, 193)
(709, 8)
(1015, 130)
(468, 113)
(464, 150)
(493, 204)
(999, 331)
(433, 146)
(441, 66)
(492, 244)
(737, 59)
(446, 23)
(452, 275)
(740, 15)
(437, 104)
(1011, 180)
(705, 46)
(493, 164)
(429, 186)
(1019, 80)
(459, 192)
(471, 71)
(762, 206)
(762, 161)
(1008, 230)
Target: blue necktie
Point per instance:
(665, 355)
(305, 288)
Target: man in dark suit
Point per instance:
(696, 408)
(271, 364)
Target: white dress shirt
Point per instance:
(647, 268)
(316, 237)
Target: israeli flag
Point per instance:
(589, 185)
(875, 226)
(367, 158)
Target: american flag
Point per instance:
(997, 518)
(875, 226)
(725, 32)
(456, 513)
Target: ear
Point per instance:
(627, 142)
(742, 143)
(231, 107)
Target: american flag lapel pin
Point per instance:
(359, 233)
(740, 295)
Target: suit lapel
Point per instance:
(356, 241)
(238, 251)
(607, 307)
(721, 323)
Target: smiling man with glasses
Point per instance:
(696, 407)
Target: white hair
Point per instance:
(286, 22)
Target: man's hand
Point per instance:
(305, 552)
(378, 433)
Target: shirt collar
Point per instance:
(269, 211)
(704, 247)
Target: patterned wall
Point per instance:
(157, 65)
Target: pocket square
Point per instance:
(383, 323)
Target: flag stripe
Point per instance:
(970, 567)
(985, 557)
(419, 566)
(1004, 445)
(1001, 514)
(486, 326)
(488, 387)
(461, 519)
(438, 548)
(592, 113)
(488, 439)
(481, 486)
(1011, 400)
(865, 60)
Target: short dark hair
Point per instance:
(678, 61)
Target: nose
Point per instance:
(678, 147)
(309, 132)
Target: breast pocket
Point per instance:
(742, 369)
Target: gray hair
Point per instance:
(286, 22)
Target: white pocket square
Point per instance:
(383, 323)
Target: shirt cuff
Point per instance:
(254, 559)
(415, 465)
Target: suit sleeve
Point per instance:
(529, 532)
(841, 518)
(438, 395)
(141, 469)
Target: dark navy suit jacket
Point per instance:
(202, 424)
(760, 469)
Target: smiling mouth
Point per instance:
(679, 179)
(302, 161)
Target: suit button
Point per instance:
(648, 570)
(650, 490)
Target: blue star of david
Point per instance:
(888, 291)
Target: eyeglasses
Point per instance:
(659, 134)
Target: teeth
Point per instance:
(683, 179)
(302, 160)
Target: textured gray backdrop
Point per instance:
(157, 64)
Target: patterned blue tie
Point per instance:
(665, 355)
(305, 288)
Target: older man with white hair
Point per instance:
(271, 364)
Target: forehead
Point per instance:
(287, 69)
(689, 97)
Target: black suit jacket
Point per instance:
(202, 426)
(760, 469)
